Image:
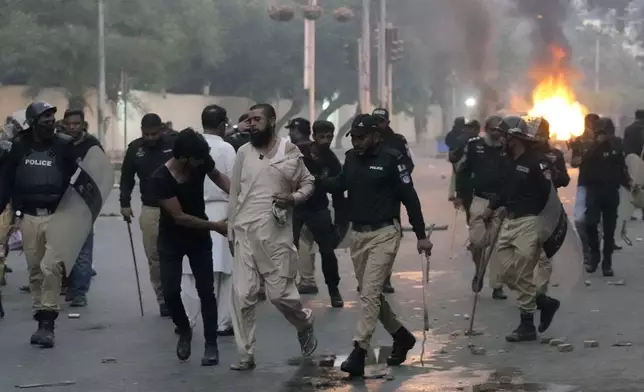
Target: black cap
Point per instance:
(75, 112)
(381, 114)
(301, 124)
(364, 123)
(151, 120)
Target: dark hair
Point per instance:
(213, 116)
(591, 118)
(190, 144)
(74, 112)
(243, 117)
(269, 110)
(493, 122)
(323, 126)
(639, 114)
(151, 120)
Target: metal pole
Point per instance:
(597, 64)
(101, 73)
(382, 55)
(366, 52)
(312, 111)
(390, 87)
(361, 100)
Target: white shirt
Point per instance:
(224, 156)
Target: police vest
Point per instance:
(40, 182)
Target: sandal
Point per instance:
(243, 366)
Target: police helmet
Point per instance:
(526, 128)
(37, 109)
(493, 122)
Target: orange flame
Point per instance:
(555, 100)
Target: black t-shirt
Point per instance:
(191, 198)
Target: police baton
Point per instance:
(424, 266)
(128, 221)
(483, 267)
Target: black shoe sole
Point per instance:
(520, 339)
(351, 372)
(608, 274)
(184, 349)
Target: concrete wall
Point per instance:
(183, 110)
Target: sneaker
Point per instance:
(79, 301)
(307, 289)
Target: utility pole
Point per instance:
(597, 64)
(309, 63)
(382, 56)
(366, 55)
(101, 73)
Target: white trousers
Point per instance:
(223, 293)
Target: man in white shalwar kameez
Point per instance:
(214, 121)
(269, 178)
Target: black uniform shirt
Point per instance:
(326, 165)
(481, 169)
(81, 149)
(163, 186)
(142, 161)
(399, 143)
(555, 167)
(526, 189)
(377, 183)
(603, 166)
(36, 175)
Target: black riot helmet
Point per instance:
(529, 129)
(37, 109)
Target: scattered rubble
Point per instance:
(616, 283)
(545, 340)
(557, 342)
(587, 282)
(565, 348)
(591, 343)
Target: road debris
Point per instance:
(565, 348)
(108, 360)
(545, 340)
(456, 333)
(591, 343)
(587, 282)
(73, 315)
(557, 342)
(476, 350)
(616, 283)
(622, 344)
(46, 384)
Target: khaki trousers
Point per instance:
(5, 227)
(45, 271)
(280, 290)
(373, 254)
(481, 238)
(542, 274)
(518, 250)
(306, 258)
(149, 223)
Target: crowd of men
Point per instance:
(266, 196)
(506, 182)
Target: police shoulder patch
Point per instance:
(394, 152)
(405, 178)
(473, 139)
(523, 169)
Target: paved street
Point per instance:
(111, 326)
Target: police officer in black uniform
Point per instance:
(143, 156)
(314, 213)
(398, 143)
(479, 179)
(458, 141)
(36, 175)
(602, 171)
(524, 195)
(377, 181)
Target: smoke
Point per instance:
(548, 18)
(476, 23)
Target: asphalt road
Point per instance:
(143, 348)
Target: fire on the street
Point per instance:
(554, 99)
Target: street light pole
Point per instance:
(101, 73)
(309, 62)
(382, 55)
(366, 54)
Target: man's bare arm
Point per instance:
(220, 179)
(173, 207)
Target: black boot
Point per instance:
(336, 298)
(548, 307)
(607, 266)
(499, 294)
(1, 307)
(210, 355)
(184, 345)
(354, 364)
(47, 339)
(387, 288)
(403, 342)
(36, 338)
(593, 263)
(525, 332)
(163, 310)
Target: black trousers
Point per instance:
(325, 234)
(601, 205)
(199, 252)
